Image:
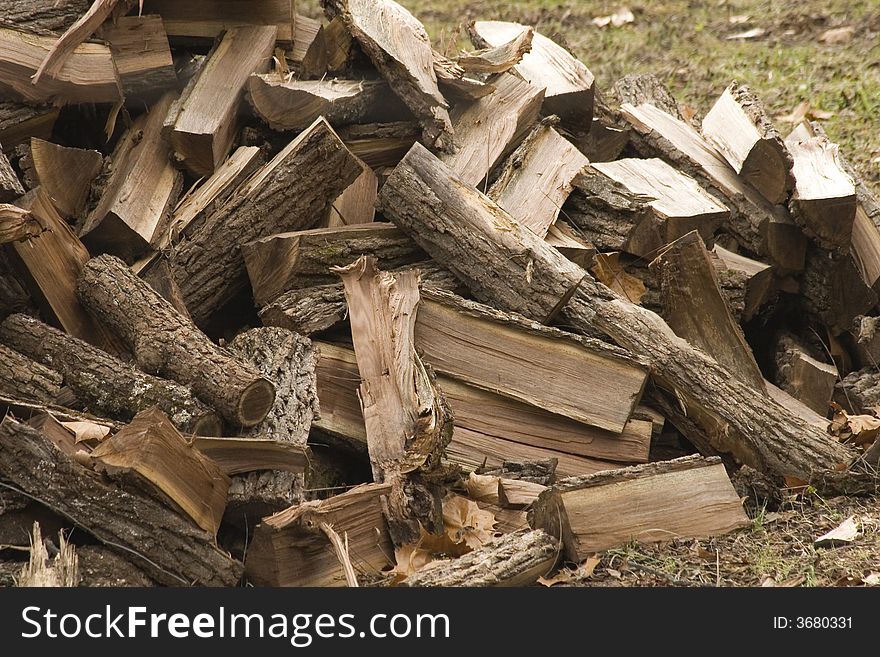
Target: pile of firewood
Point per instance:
(304, 302)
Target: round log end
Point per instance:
(209, 425)
(255, 402)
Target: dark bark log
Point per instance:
(22, 377)
(10, 185)
(166, 343)
(19, 121)
(47, 17)
(832, 289)
(637, 88)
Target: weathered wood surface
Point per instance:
(22, 377)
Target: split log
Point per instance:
(10, 185)
(738, 126)
(518, 493)
(65, 174)
(41, 572)
(397, 44)
(571, 244)
(308, 52)
(824, 198)
(207, 19)
(580, 378)
(802, 376)
(867, 338)
(141, 54)
(756, 224)
(207, 262)
(690, 497)
(47, 17)
(357, 204)
(309, 310)
(734, 416)
(14, 298)
(537, 178)
(205, 127)
(295, 104)
(279, 262)
(490, 128)
(18, 225)
(859, 391)
(538, 471)
(104, 384)
(568, 83)
(694, 308)
(289, 548)
(639, 205)
(22, 377)
(753, 278)
(512, 560)
(238, 455)
(19, 121)
(453, 81)
(135, 207)
(380, 144)
(154, 449)
(50, 264)
(498, 59)
(165, 343)
(168, 547)
(638, 88)
(408, 423)
(865, 245)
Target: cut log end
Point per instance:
(208, 425)
(255, 403)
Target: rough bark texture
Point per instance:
(10, 185)
(20, 121)
(859, 390)
(104, 384)
(207, 262)
(511, 560)
(166, 343)
(22, 377)
(380, 144)
(833, 290)
(638, 88)
(47, 17)
(168, 547)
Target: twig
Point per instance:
(341, 549)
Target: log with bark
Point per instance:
(803, 377)
(357, 204)
(207, 19)
(65, 174)
(10, 185)
(752, 280)
(141, 55)
(47, 17)
(21, 121)
(500, 58)
(22, 377)
(380, 144)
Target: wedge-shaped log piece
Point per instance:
(694, 308)
(490, 128)
(537, 178)
(518, 493)
(500, 58)
(65, 174)
(802, 376)
(422, 186)
(738, 126)
(167, 546)
(571, 244)
(755, 278)
(754, 221)
(691, 497)
(833, 290)
(513, 560)
(141, 54)
(357, 204)
(153, 448)
(208, 19)
(205, 126)
(295, 104)
(207, 261)
(275, 263)
(453, 81)
(309, 49)
(824, 199)
(576, 377)
(399, 48)
(24, 378)
(105, 384)
(380, 144)
(569, 85)
(238, 455)
(165, 343)
(289, 548)
(135, 207)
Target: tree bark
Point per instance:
(22, 377)
(46, 17)
(166, 343)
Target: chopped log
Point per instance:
(205, 127)
(518, 493)
(639, 205)
(756, 224)
(50, 264)
(513, 560)
(577, 377)
(152, 447)
(141, 54)
(405, 199)
(490, 128)
(10, 185)
(207, 262)
(18, 225)
(289, 548)
(734, 416)
(380, 144)
(569, 85)
(408, 423)
(339, 45)
(753, 277)
(65, 174)
(859, 391)
(738, 126)
(308, 52)
(14, 298)
(19, 121)
(537, 471)
(41, 572)
(47, 17)
(140, 193)
(357, 204)
(500, 58)
(165, 343)
(207, 19)
(694, 308)
(453, 81)
(275, 263)
(638, 88)
(537, 178)
(238, 455)
(867, 338)
(295, 104)
(104, 384)
(802, 376)
(796, 407)
(397, 44)
(569, 243)
(22, 377)
(310, 310)
(690, 497)
(168, 547)
(22, 408)
(824, 199)
(161, 278)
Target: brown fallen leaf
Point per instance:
(467, 523)
(837, 35)
(804, 111)
(859, 430)
(583, 570)
(483, 488)
(87, 431)
(871, 579)
(845, 533)
(608, 269)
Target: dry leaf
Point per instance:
(608, 270)
(837, 35)
(688, 112)
(754, 33)
(855, 429)
(618, 19)
(467, 523)
(87, 431)
(846, 532)
(805, 111)
(414, 556)
(483, 487)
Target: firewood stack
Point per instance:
(305, 302)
